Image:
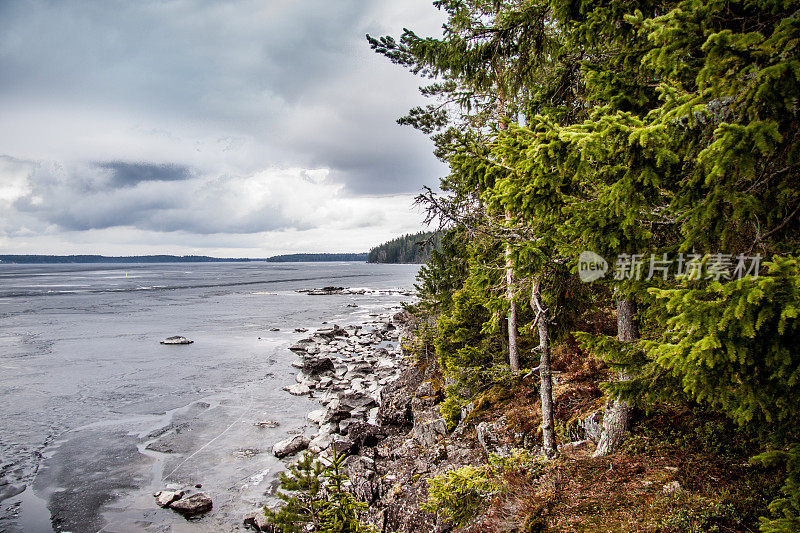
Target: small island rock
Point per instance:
(177, 339)
(194, 505)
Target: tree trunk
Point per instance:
(617, 417)
(513, 348)
(545, 373)
(503, 333)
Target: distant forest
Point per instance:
(410, 248)
(53, 259)
(296, 258)
(58, 259)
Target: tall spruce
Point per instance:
(485, 56)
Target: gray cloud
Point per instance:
(165, 116)
(126, 174)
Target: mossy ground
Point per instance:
(705, 453)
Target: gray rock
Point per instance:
(354, 401)
(176, 340)
(429, 427)
(489, 436)
(317, 365)
(290, 446)
(320, 443)
(364, 434)
(396, 401)
(165, 497)
(317, 415)
(297, 390)
(194, 505)
(366, 483)
(424, 390)
(302, 345)
(344, 447)
(590, 426)
(261, 524)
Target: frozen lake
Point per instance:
(96, 414)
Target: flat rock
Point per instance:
(166, 497)
(302, 345)
(298, 389)
(176, 340)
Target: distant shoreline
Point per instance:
(89, 259)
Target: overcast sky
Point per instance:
(235, 128)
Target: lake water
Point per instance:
(96, 414)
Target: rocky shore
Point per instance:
(382, 412)
(380, 407)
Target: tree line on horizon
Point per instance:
(287, 258)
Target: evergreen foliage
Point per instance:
(315, 498)
(658, 127)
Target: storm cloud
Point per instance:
(265, 121)
(124, 174)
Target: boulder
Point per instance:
(330, 427)
(403, 317)
(317, 365)
(354, 401)
(330, 333)
(344, 447)
(320, 443)
(258, 521)
(194, 505)
(396, 401)
(290, 446)
(317, 416)
(337, 414)
(490, 436)
(345, 424)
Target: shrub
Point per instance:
(464, 493)
(316, 499)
